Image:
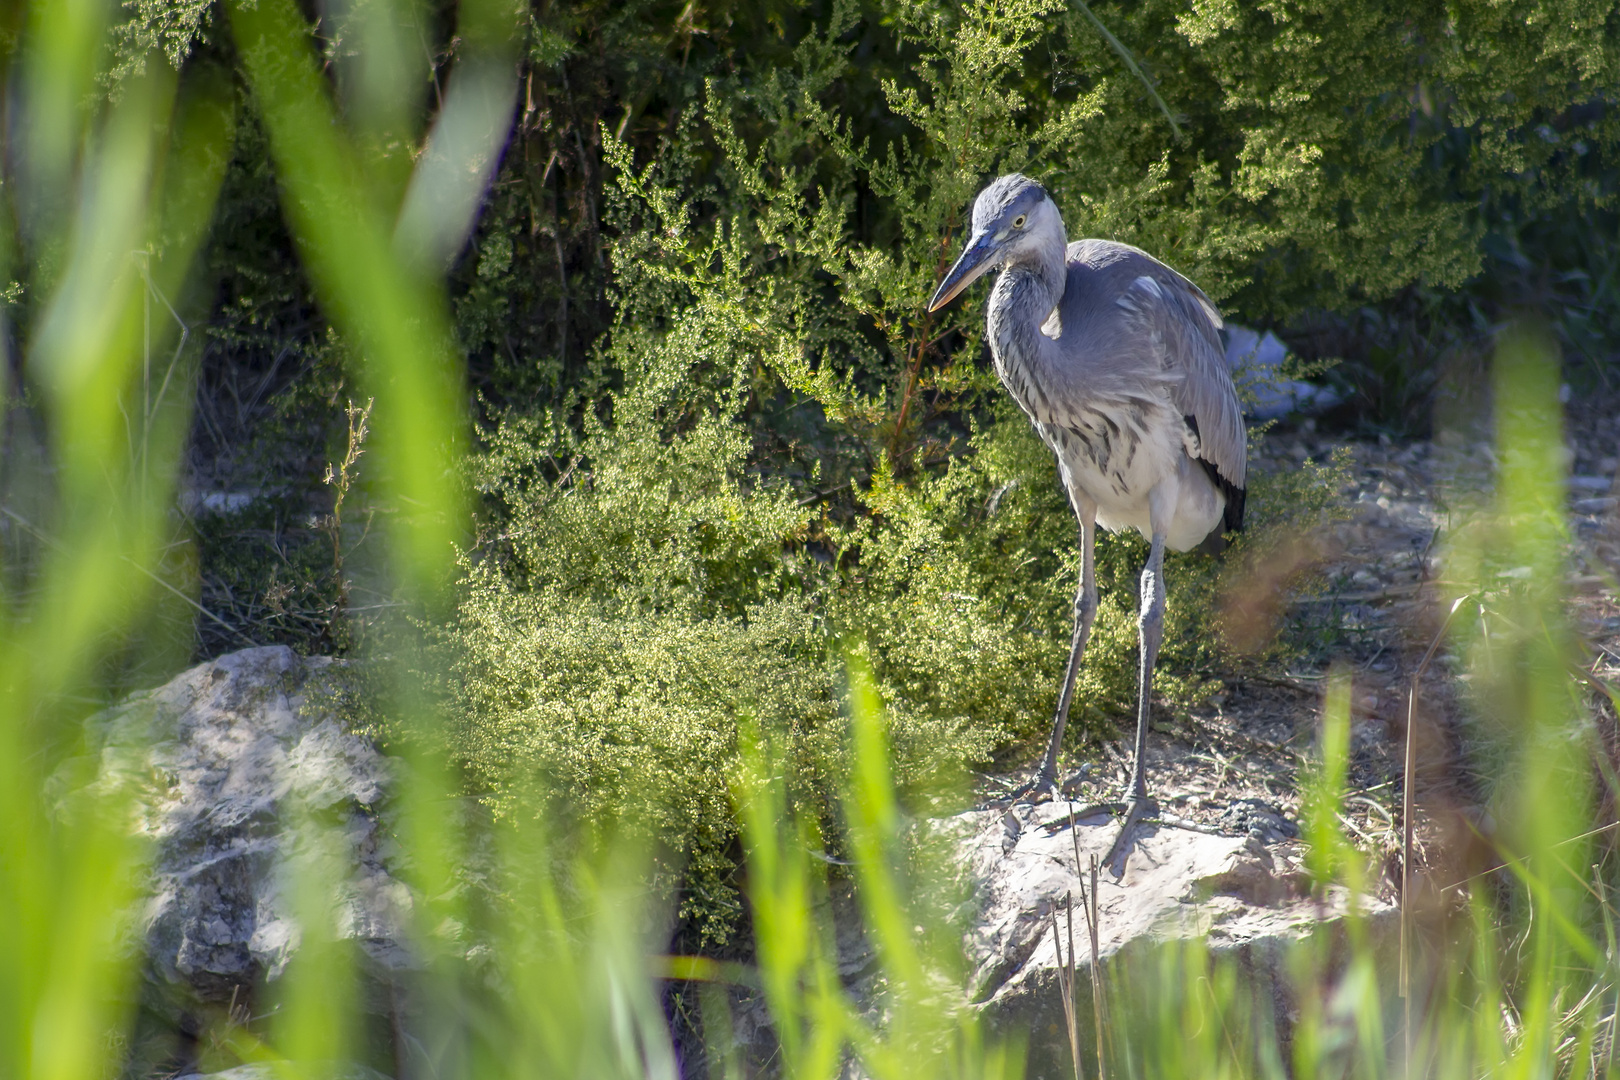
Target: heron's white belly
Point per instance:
(1120, 473)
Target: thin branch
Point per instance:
(202, 610)
(1130, 62)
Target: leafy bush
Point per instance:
(677, 553)
(678, 562)
(1324, 155)
(727, 443)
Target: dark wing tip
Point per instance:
(1232, 516)
(1235, 496)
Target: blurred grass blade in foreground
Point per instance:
(377, 269)
(382, 287)
(927, 1028)
(114, 198)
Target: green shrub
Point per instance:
(773, 454)
(630, 599)
(1324, 156)
(741, 513)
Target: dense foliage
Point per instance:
(724, 446)
(1324, 155)
(760, 555)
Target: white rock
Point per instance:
(1177, 884)
(237, 757)
(1254, 361)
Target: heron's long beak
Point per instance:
(977, 257)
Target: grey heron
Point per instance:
(1117, 361)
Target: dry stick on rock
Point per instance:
(1098, 1009)
(1088, 906)
(1074, 1021)
(1099, 1003)
(1065, 974)
(1409, 771)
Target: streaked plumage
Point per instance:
(1117, 360)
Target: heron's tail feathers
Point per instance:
(1231, 517)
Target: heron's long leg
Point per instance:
(1085, 611)
(1151, 630)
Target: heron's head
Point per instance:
(1013, 219)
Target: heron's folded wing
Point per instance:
(1182, 322)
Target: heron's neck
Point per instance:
(1027, 291)
(1019, 304)
(1030, 285)
(1037, 277)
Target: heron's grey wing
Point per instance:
(1173, 313)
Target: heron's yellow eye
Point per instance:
(1018, 222)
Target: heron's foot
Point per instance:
(1137, 808)
(1042, 787)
